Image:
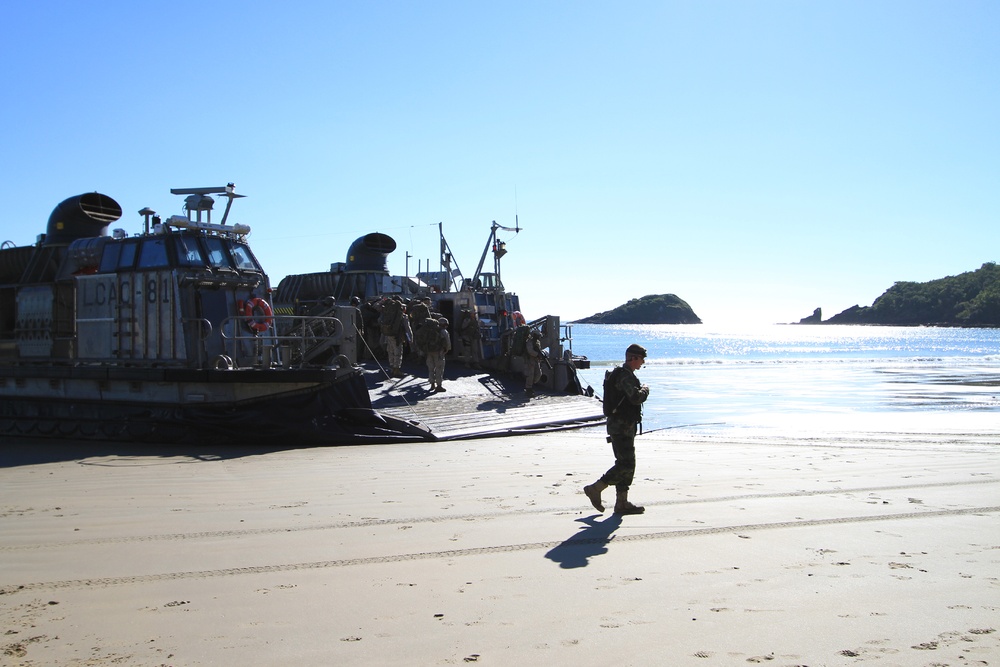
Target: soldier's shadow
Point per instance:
(590, 541)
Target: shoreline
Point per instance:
(785, 542)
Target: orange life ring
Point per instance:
(266, 319)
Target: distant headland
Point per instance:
(970, 299)
(651, 309)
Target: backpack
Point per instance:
(518, 346)
(613, 396)
(392, 317)
(428, 336)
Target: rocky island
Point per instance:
(970, 299)
(651, 309)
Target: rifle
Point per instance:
(541, 353)
(664, 428)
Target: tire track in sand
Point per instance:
(365, 523)
(505, 548)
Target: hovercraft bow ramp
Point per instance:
(478, 405)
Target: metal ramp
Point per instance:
(479, 405)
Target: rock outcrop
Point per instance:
(815, 318)
(651, 309)
(970, 299)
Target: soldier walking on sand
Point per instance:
(623, 399)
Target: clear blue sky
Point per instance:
(758, 159)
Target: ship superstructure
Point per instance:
(167, 335)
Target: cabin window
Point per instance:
(243, 259)
(118, 257)
(188, 252)
(217, 255)
(109, 260)
(127, 259)
(154, 254)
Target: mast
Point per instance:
(447, 257)
(499, 249)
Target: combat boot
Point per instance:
(593, 492)
(623, 506)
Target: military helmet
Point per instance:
(635, 350)
(443, 321)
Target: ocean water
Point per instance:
(703, 375)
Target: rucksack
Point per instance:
(428, 336)
(392, 317)
(613, 396)
(518, 345)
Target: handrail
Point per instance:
(568, 338)
(304, 334)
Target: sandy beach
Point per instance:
(807, 542)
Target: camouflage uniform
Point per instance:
(370, 312)
(394, 332)
(622, 425)
(623, 399)
(471, 335)
(435, 357)
(532, 363)
(418, 315)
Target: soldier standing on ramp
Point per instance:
(532, 362)
(623, 399)
(394, 331)
(436, 343)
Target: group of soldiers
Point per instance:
(413, 328)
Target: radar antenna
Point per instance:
(199, 200)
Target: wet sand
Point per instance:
(809, 542)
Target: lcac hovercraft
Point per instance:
(167, 336)
(486, 389)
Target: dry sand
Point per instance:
(810, 543)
